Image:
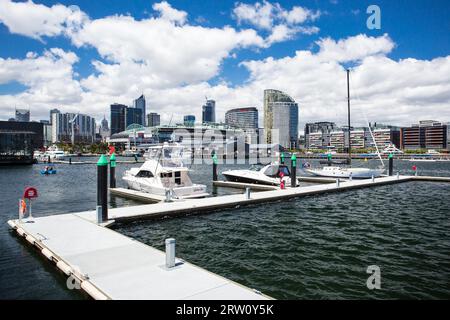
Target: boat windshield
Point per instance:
(168, 156)
(275, 170)
(255, 167)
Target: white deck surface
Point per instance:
(123, 268)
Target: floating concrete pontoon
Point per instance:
(136, 195)
(108, 265)
(241, 185)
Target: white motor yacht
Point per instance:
(342, 172)
(258, 174)
(163, 171)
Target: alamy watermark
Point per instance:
(374, 280)
(374, 20)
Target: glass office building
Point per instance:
(280, 113)
(189, 120)
(140, 104)
(243, 118)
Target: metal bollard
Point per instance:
(373, 178)
(20, 210)
(170, 253)
(350, 177)
(99, 214)
(247, 193)
(338, 182)
(416, 174)
(398, 175)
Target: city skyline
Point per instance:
(299, 48)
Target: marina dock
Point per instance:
(108, 265)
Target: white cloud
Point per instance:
(354, 48)
(37, 20)
(169, 13)
(282, 24)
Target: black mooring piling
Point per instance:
(102, 186)
(214, 158)
(112, 171)
(391, 164)
(293, 170)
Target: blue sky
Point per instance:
(417, 29)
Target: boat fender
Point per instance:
(64, 267)
(93, 291)
(47, 253)
(30, 239)
(12, 224)
(20, 231)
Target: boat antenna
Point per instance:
(348, 118)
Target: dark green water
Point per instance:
(313, 247)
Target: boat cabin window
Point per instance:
(145, 174)
(177, 177)
(166, 175)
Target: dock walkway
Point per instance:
(109, 265)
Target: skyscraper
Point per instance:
(22, 115)
(118, 114)
(139, 103)
(154, 119)
(133, 116)
(209, 111)
(281, 113)
(243, 118)
(83, 127)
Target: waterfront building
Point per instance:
(209, 112)
(18, 140)
(154, 119)
(338, 139)
(281, 113)
(427, 134)
(22, 115)
(189, 120)
(358, 138)
(244, 118)
(118, 117)
(67, 125)
(317, 134)
(140, 104)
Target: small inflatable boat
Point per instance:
(45, 172)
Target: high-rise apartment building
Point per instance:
(280, 113)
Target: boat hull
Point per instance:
(355, 173)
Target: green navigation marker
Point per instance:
(294, 160)
(112, 160)
(102, 161)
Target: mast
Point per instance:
(348, 116)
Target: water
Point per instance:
(313, 247)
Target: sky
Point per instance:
(82, 56)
